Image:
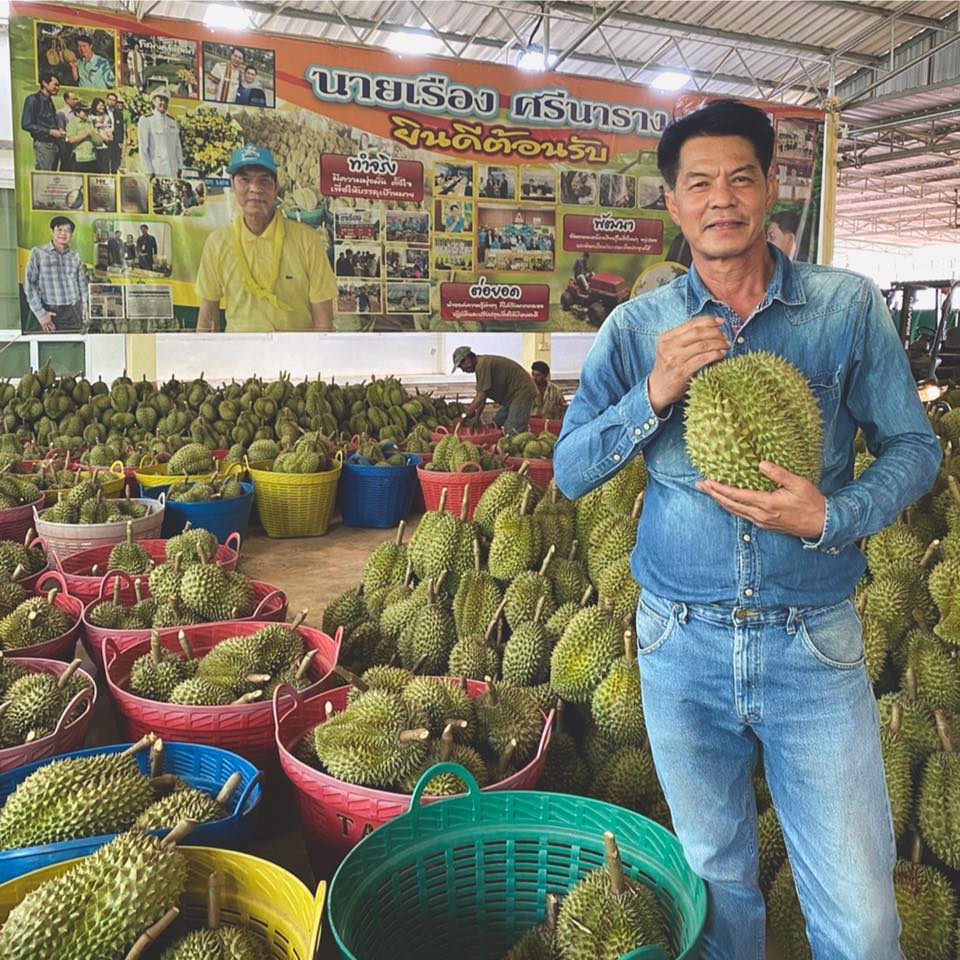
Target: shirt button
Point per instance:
(746, 538)
(748, 592)
(637, 432)
(616, 456)
(740, 340)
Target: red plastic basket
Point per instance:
(29, 583)
(246, 729)
(540, 472)
(65, 736)
(538, 425)
(82, 583)
(271, 606)
(432, 483)
(17, 521)
(64, 646)
(482, 437)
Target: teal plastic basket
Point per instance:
(467, 876)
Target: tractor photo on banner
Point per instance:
(169, 182)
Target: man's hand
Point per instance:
(682, 352)
(46, 323)
(57, 134)
(797, 507)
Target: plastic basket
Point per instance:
(67, 735)
(539, 425)
(377, 496)
(131, 486)
(64, 646)
(220, 517)
(256, 893)
(539, 471)
(205, 768)
(432, 483)
(70, 538)
(336, 815)
(158, 476)
(109, 488)
(82, 583)
(16, 522)
(245, 729)
(482, 437)
(271, 605)
(29, 582)
(467, 876)
(295, 504)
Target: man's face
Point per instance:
(70, 100)
(539, 378)
(468, 364)
(236, 58)
(255, 190)
(144, 231)
(61, 235)
(84, 49)
(781, 239)
(160, 104)
(721, 197)
(111, 100)
(50, 87)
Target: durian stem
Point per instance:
(930, 553)
(559, 715)
(629, 647)
(129, 533)
(298, 620)
(524, 467)
(492, 625)
(954, 488)
(64, 677)
(418, 666)
(896, 718)
(257, 678)
(153, 934)
(350, 677)
(525, 502)
(156, 758)
(465, 503)
(492, 696)
(413, 736)
(401, 528)
(164, 783)
(943, 730)
(547, 559)
(29, 537)
(550, 921)
(19, 571)
(214, 896)
(918, 618)
(134, 748)
(910, 682)
(185, 645)
(442, 505)
(538, 612)
(614, 864)
(572, 555)
(448, 740)
(408, 574)
(916, 848)
(328, 710)
(138, 590)
(305, 665)
(476, 556)
(250, 697)
(229, 788)
(587, 594)
(637, 504)
(504, 762)
(155, 647)
(862, 603)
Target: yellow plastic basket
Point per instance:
(157, 476)
(109, 488)
(273, 903)
(295, 504)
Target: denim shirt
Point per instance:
(835, 328)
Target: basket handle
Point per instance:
(272, 595)
(358, 459)
(284, 691)
(85, 696)
(117, 575)
(338, 456)
(470, 463)
(441, 429)
(319, 899)
(233, 542)
(54, 558)
(546, 734)
(161, 499)
(233, 470)
(57, 578)
(337, 643)
(416, 797)
(148, 460)
(109, 650)
(247, 791)
(652, 952)
(116, 468)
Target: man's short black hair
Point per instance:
(144, 226)
(721, 118)
(47, 76)
(84, 38)
(787, 220)
(243, 53)
(62, 222)
(540, 367)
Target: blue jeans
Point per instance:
(515, 418)
(716, 684)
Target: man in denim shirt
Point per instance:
(746, 633)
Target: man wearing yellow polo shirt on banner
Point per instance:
(272, 273)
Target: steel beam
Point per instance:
(585, 34)
(882, 12)
(872, 158)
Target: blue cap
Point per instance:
(251, 156)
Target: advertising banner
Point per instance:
(442, 194)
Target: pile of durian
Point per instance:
(528, 445)
(17, 491)
(32, 703)
(26, 621)
(19, 560)
(451, 454)
(84, 503)
(205, 491)
(382, 454)
(237, 670)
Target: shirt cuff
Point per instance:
(636, 414)
(834, 536)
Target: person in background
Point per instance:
(115, 249)
(90, 69)
(39, 119)
(502, 380)
(782, 232)
(64, 115)
(582, 272)
(161, 153)
(129, 251)
(248, 92)
(102, 120)
(223, 80)
(83, 137)
(550, 404)
(55, 281)
(136, 68)
(272, 273)
(146, 248)
(115, 106)
(454, 219)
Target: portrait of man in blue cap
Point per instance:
(272, 274)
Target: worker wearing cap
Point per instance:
(271, 273)
(502, 380)
(158, 137)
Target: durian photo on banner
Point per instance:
(425, 194)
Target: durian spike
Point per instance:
(587, 594)
(64, 677)
(447, 738)
(413, 736)
(492, 625)
(214, 895)
(572, 555)
(943, 730)
(442, 505)
(304, 666)
(155, 647)
(348, 676)
(637, 504)
(930, 552)
(134, 748)
(152, 934)
(629, 647)
(504, 760)
(538, 612)
(525, 502)
(185, 645)
(465, 504)
(401, 528)
(156, 758)
(229, 788)
(954, 488)
(19, 571)
(180, 832)
(896, 718)
(250, 697)
(547, 559)
(614, 863)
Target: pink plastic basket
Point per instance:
(82, 583)
(66, 736)
(271, 606)
(540, 472)
(29, 583)
(245, 729)
(471, 482)
(483, 437)
(17, 521)
(538, 425)
(70, 538)
(336, 815)
(64, 646)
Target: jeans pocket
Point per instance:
(652, 629)
(834, 635)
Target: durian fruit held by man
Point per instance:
(502, 380)
(746, 634)
(270, 272)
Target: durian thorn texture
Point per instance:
(152, 934)
(250, 697)
(64, 677)
(156, 758)
(931, 552)
(505, 757)
(614, 863)
(547, 559)
(943, 730)
(954, 489)
(637, 506)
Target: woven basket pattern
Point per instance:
(432, 483)
(109, 488)
(64, 646)
(66, 736)
(540, 472)
(17, 521)
(295, 504)
(157, 476)
(70, 538)
(483, 437)
(221, 517)
(256, 893)
(336, 815)
(377, 496)
(247, 730)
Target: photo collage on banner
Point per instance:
(444, 194)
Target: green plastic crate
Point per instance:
(465, 877)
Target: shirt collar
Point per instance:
(250, 237)
(784, 285)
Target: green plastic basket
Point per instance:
(466, 876)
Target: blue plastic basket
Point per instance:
(376, 496)
(205, 767)
(220, 517)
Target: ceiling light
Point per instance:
(670, 80)
(532, 60)
(413, 44)
(226, 16)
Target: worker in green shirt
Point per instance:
(550, 402)
(83, 137)
(502, 380)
